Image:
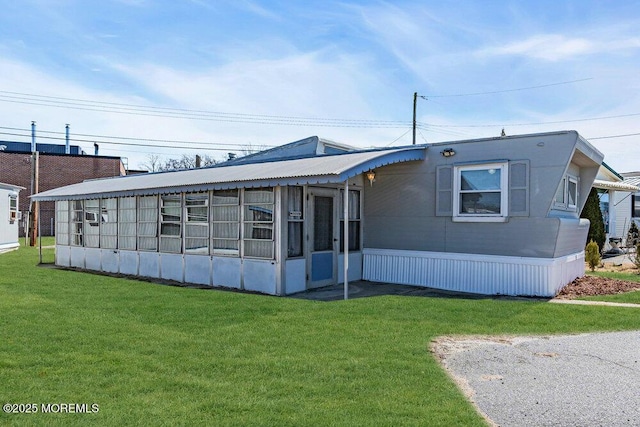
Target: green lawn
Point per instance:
(160, 355)
(629, 297)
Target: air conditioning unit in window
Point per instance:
(91, 218)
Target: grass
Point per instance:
(152, 354)
(627, 297)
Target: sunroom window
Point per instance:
(197, 223)
(480, 192)
(127, 223)
(295, 220)
(258, 223)
(92, 223)
(77, 219)
(170, 223)
(109, 223)
(62, 222)
(225, 220)
(148, 223)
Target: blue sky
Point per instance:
(233, 74)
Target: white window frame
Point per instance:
(109, 223)
(564, 189)
(572, 180)
(503, 167)
(127, 209)
(168, 214)
(354, 218)
(62, 222)
(92, 224)
(295, 217)
(251, 225)
(144, 239)
(13, 208)
(194, 221)
(216, 206)
(76, 220)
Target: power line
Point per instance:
(171, 141)
(507, 90)
(130, 109)
(391, 143)
(535, 123)
(181, 110)
(77, 140)
(614, 136)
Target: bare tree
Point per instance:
(251, 149)
(155, 164)
(152, 164)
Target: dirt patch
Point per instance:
(593, 285)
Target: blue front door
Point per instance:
(323, 241)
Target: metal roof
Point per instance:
(632, 180)
(316, 170)
(617, 186)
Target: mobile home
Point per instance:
(490, 216)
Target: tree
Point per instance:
(249, 148)
(591, 211)
(155, 164)
(152, 164)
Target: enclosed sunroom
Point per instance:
(274, 227)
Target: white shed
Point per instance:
(9, 216)
(616, 195)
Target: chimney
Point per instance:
(95, 148)
(33, 136)
(67, 148)
(198, 161)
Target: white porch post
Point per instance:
(612, 215)
(346, 238)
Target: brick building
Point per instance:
(55, 170)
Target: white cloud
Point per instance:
(304, 85)
(558, 47)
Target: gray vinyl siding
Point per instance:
(622, 203)
(406, 206)
(569, 238)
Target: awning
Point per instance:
(617, 186)
(323, 169)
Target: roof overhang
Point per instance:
(617, 186)
(10, 187)
(326, 169)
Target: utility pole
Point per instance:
(32, 229)
(35, 178)
(415, 102)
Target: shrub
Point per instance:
(633, 236)
(591, 211)
(592, 255)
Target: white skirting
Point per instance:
(6, 247)
(480, 274)
(232, 272)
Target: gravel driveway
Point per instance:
(577, 380)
